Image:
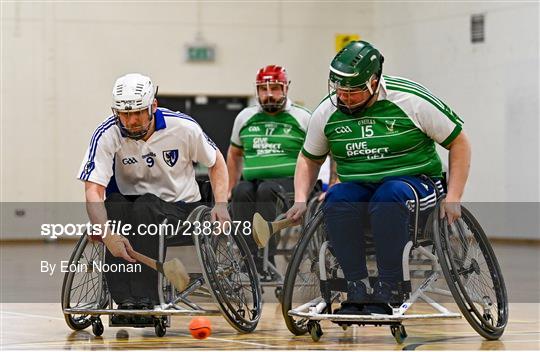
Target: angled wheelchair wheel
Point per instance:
(472, 273)
(302, 280)
(229, 271)
(312, 207)
(86, 288)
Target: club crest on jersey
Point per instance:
(89, 167)
(170, 156)
(390, 125)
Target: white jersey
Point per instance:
(163, 165)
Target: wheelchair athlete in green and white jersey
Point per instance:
(381, 131)
(265, 142)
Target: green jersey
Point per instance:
(394, 137)
(270, 143)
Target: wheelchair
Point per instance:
(460, 253)
(228, 278)
(285, 241)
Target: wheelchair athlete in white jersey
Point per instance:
(141, 160)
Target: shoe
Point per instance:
(266, 276)
(145, 303)
(128, 303)
(357, 298)
(121, 319)
(382, 298)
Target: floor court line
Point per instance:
(237, 341)
(32, 315)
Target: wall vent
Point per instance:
(477, 29)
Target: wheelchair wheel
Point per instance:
(312, 207)
(472, 273)
(87, 289)
(230, 273)
(302, 280)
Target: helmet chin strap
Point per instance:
(275, 106)
(359, 108)
(356, 109)
(272, 108)
(138, 135)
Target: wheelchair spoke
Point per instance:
(474, 275)
(230, 279)
(85, 290)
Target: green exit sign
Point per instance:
(200, 53)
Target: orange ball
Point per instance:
(200, 327)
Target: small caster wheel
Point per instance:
(97, 327)
(315, 330)
(160, 328)
(399, 333)
(279, 293)
(488, 318)
(344, 327)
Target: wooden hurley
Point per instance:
(262, 229)
(173, 269)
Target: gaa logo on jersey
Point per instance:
(343, 129)
(129, 161)
(170, 156)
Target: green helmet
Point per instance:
(355, 64)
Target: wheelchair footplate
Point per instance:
(158, 312)
(314, 312)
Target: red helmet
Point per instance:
(272, 74)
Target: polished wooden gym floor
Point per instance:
(41, 326)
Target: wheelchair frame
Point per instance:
(171, 302)
(320, 308)
(268, 266)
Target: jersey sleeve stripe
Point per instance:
(311, 156)
(452, 136)
(236, 145)
(111, 121)
(412, 85)
(416, 86)
(210, 141)
(413, 90)
(302, 108)
(444, 109)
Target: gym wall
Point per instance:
(59, 61)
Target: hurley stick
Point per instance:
(262, 229)
(173, 269)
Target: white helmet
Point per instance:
(133, 92)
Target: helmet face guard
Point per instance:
(269, 102)
(133, 93)
(139, 133)
(268, 78)
(352, 72)
(343, 96)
